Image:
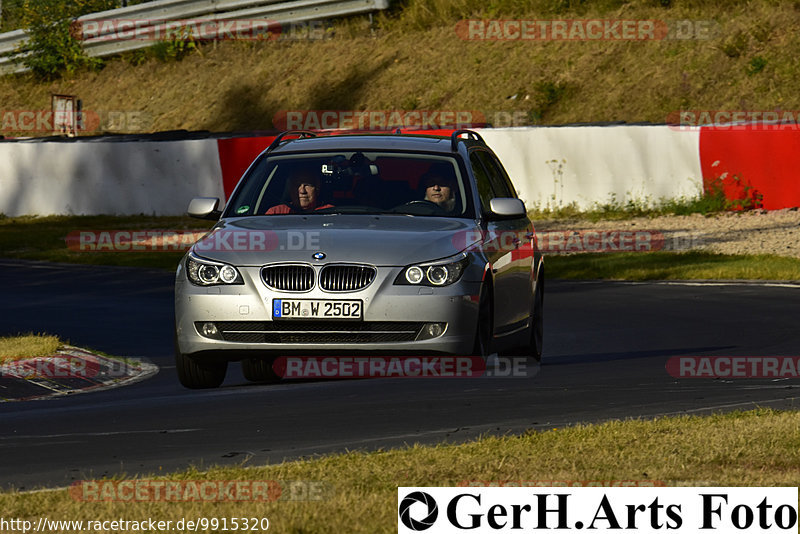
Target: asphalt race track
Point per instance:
(606, 346)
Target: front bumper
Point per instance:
(246, 312)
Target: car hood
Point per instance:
(381, 240)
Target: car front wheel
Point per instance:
(195, 373)
(259, 370)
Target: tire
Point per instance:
(483, 330)
(259, 370)
(194, 373)
(537, 323)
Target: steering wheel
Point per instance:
(422, 203)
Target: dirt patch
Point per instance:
(751, 232)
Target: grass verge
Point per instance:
(710, 203)
(405, 60)
(754, 448)
(45, 238)
(692, 265)
(31, 345)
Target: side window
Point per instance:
(481, 179)
(249, 192)
(501, 185)
(504, 176)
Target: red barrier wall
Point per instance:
(235, 155)
(753, 164)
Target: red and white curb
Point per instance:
(71, 370)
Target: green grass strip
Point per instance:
(693, 265)
(755, 448)
(44, 238)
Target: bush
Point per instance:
(53, 46)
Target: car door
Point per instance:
(507, 244)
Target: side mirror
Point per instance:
(506, 208)
(204, 208)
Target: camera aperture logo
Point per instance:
(413, 498)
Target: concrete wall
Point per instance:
(94, 177)
(553, 167)
(550, 166)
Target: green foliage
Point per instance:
(181, 43)
(748, 197)
(669, 265)
(756, 65)
(546, 94)
(712, 201)
(136, 57)
(706, 205)
(735, 45)
(740, 197)
(11, 16)
(53, 46)
(762, 31)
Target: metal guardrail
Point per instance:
(161, 11)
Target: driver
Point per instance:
(439, 189)
(305, 191)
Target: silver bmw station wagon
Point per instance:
(347, 245)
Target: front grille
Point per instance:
(318, 331)
(346, 277)
(288, 277)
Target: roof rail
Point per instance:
(456, 136)
(300, 133)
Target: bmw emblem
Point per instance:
(319, 256)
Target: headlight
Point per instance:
(437, 273)
(204, 272)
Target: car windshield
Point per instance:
(368, 182)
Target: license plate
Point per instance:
(316, 309)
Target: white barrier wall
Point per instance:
(551, 167)
(104, 177)
(556, 166)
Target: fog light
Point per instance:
(431, 330)
(209, 330)
(435, 330)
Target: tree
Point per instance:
(54, 46)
